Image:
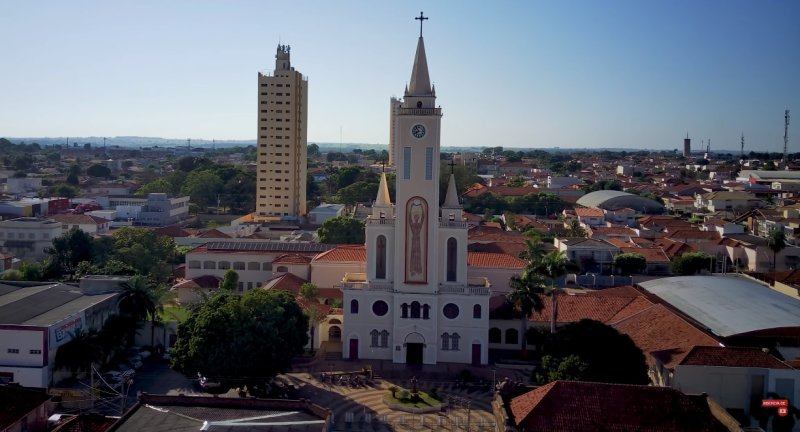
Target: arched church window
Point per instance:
(426, 311)
(495, 335)
(384, 339)
(404, 310)
(445, 342)
(512, 336)
(454, 338)
(415, 307)
(380, 265)
(452, 264)
(353, 306)
(374, 334)
(476, 311)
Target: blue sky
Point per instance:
(628, 73)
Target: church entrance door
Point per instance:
(414, 353)
(476, 354)
(353, 349)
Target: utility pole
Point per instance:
(742, 157)
(786, 139)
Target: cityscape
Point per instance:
(393, 259)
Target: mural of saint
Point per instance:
(416, 240)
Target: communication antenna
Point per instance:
(742, 157)
(189, 145)
(786, 139)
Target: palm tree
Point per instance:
(141, 300)
(138, 299)
(79, 353)
(552, 266)
(776, 241)
(533, 250)
(524, 296)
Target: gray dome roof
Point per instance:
(614, 200)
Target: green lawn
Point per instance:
(425, 400)
(173, 313)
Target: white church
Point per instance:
(414, 304)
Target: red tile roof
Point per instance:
(19, 402)
(693, 234)
(79, 219)
(674, 248)
(575, 307)
(510, 248)
(586, 406)
(349, 253)
(732, 357)
(213, 233)
(659, 330)
(494, 260)
(651, 255)
(171, 231)
(292, 259)
(589, 212)
(286, 282)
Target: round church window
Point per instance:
(380, 308)
(450, 310)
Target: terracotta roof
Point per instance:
(589, 212)
(659, 332)
(694, 234)
(651, 255)
(482, 234)
(510, 248)
(586, 406)
(349, 253)
(618, 242)
(79, 219)
(494, 260)
(292, 259)
(575, 307)
(732, 357)
(213, 233)
(674, 248)
(286, 282)
(19, 402)
(615, 230)
(171, 231)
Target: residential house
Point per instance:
(24, 409)
(726, 201)
(658, 263)
(592, 255)
(92, 225)
(28, 238)
(738, 378)
(590, 216)
(324, 211)
(589, 406)
(623, 216)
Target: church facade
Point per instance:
(414, 304)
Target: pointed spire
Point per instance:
(451, 199)
(383, 199)
(420, 81)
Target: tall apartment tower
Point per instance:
(394, 108)
(282, 141)
(687, 147)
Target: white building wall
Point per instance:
(329, 275)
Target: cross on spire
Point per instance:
(383, 165)
(452, 163)
(421, 18)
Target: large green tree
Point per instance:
(341, 230)
(630, 263)
(203, 187)
(230, 281)
(691, 263)
(591, 342)
(243, 339)
(68, 250)
(144, 250)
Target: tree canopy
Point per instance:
(241, 339)
(585, 346)
(341, 230)
(691, 263)
(229, 281)
(629, 263)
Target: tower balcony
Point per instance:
(380, 221)
(444, 223)
(420, 111)
(475, 286)
(358, 281)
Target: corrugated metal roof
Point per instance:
(727, 305)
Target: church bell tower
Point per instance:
(417, 199)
